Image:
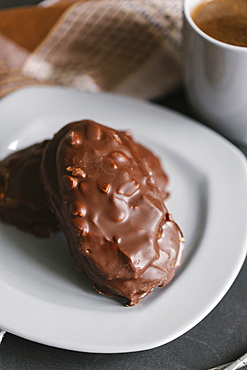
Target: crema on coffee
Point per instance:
(224, 20)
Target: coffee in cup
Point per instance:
(215, 64)
(224, 20)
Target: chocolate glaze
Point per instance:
(111, 209)
(23, 202)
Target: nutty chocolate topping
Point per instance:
(108, 195)
(23, 202)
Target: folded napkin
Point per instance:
(127, 46)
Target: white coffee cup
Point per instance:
(215, 77)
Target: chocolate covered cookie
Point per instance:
(107, 193)
(23, 202)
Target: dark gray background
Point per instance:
(221, 337)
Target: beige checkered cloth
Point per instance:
(127, 46)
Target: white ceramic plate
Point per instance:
(43, 298)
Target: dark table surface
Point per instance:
(220, 338)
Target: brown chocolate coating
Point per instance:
(111, 209)
(23, 202)
(155, 170)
